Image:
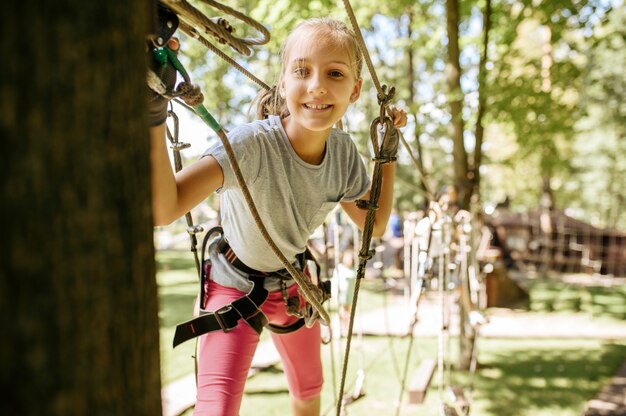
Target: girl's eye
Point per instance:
(300, 72)
(336, 74)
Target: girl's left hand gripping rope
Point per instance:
(188, 92)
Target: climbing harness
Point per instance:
(247, 307)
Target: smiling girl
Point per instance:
(298, 168)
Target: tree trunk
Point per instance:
(455, 97)
(480, 131)
(410, 73)
(78, 295)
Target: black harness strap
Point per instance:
(246, 307)
(285, 329)
(227, 317)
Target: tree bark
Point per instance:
(455, 97)
(410, 73)
(482, 79)
(78, 295)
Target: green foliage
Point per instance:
(554, 83)
(601, 141)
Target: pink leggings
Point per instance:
(225, 358)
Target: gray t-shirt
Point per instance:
(293, 197)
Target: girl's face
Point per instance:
(318, 83)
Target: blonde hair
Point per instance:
(269, 101)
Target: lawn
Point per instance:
(515, 378)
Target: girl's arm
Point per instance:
(175, 194)
(385, 203)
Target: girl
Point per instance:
(298, 167)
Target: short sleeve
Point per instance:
(246, 150)
(359, 181)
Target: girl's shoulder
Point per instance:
(252, 134)
(250, 129)
(340, 138)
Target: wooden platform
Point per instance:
(420, 380)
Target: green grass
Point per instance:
(548, 295)
(516, 377)
(178, 288)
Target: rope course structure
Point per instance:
(551, 241)
(443, 259)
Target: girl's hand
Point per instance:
(157, 103)
(399, 117)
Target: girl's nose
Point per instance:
(316, 86)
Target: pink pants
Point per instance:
(225, 358)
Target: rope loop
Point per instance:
(218, 28)
(384, 160)
(368, 205)
(366, 255)
(379, 146)
(384, 98)
(190, 93)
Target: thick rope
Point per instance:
(380, 89)
(365, 253)
(383, 98)
(363, 46)
(190, 31)
(219, 28)
(309, 291)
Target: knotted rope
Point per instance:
(218, 27)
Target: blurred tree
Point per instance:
(78, 296)
(601, 141)
(536, 81)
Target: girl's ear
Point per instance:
(356, 92)
(281, 88)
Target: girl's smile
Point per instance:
(317, 107)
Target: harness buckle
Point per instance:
(220, 321)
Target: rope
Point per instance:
(219, 28)
(313, 294)
(429, 193)
(361, 42)
(365, 254)
(309, 291)
(380, 89)
(192, 229)
(190, 31)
